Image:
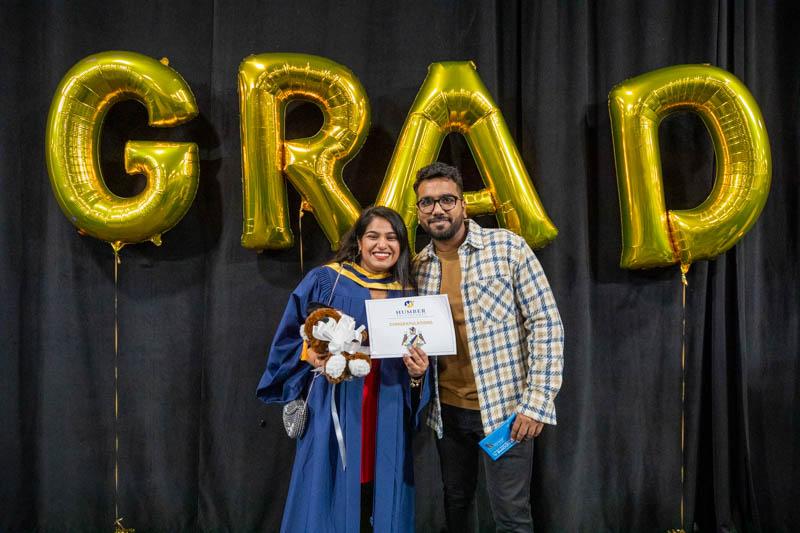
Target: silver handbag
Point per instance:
(295, 415)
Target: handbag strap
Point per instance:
(335, 283)
(316, 375)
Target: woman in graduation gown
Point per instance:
(366, 475)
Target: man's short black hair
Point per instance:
(439, 170)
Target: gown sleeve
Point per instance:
(417, 398)
(287, 375)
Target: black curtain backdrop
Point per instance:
(198, 452)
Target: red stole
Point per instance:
(369, 420)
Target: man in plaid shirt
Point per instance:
(509, 343)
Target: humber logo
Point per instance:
(409, 309)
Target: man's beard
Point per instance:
(449, 232)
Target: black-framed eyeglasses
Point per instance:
(446, 201)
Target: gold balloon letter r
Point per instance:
(267, 83)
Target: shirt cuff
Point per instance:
(535, 407)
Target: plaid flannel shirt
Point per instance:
(514, 331)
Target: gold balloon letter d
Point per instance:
(651, 235)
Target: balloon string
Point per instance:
(684, 284)
(118, 527)
(116, 387)
(304, 206)
(300, 231)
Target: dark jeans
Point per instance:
(508, 480)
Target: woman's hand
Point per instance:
(416, 362)
(312, 358)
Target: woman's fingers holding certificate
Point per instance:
(416, 361)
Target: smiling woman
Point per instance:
(378, 242)
(379, 246)
(337, 484)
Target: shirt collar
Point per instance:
(474, 239)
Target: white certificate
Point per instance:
(395, 324)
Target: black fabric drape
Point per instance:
(199, 452)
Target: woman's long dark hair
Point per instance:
(348, 251)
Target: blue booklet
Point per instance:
(499, 441)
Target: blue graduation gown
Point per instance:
(322, 496)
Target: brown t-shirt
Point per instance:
(456, 379)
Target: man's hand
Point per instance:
(525, 428)
(312, 358)
(416, 362)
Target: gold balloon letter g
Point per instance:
(74, 125)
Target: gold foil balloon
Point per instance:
(74, 126)
(651, 235)
(267, 83)
(454, 99)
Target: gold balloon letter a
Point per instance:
(453, 98)
(651, 235)
(74, 125)
(267, 83)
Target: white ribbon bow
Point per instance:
(342, 336)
